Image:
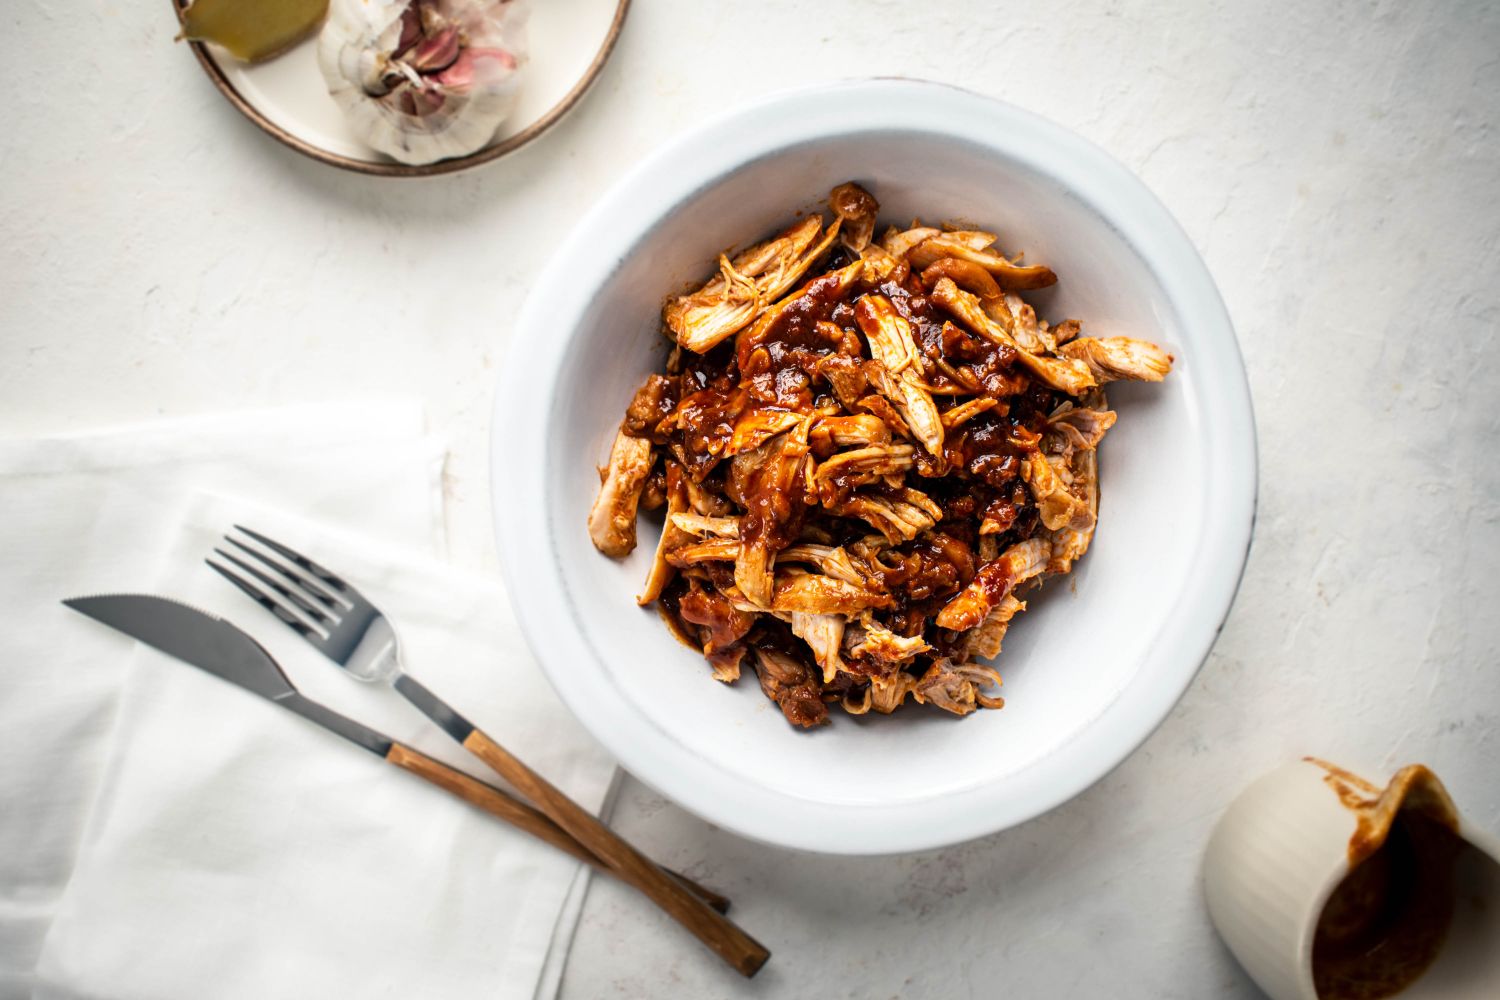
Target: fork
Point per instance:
(338, 621)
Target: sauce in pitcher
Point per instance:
(1385, 923)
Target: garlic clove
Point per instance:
(411, 31)
(435, 52)
(422, 80)
(460, 76)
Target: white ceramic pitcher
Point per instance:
(1289, 840)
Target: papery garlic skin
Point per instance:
(425, 80)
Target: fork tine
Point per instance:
(272, 605)
(297, 577)
(302, 604)
(301, 560)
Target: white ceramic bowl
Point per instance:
(1099, 659)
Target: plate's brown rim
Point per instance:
(484, 155)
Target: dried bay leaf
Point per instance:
(252, 30)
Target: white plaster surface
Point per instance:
(1337, 164)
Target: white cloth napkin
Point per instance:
(240, 851)
(95, 512)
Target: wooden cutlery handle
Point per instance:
(730, 943)
(497, 803)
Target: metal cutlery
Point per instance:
(219, 648)
(338, 621)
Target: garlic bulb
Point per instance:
(424, 80)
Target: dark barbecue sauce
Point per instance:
(1385, 923)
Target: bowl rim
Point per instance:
(526, 397)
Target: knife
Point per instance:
(219, 648)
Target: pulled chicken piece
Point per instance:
(612, 518)
(864, 452)
(1064, 374)
(1055, 502)
(965, 411)
(1080, 427)
(1111, 359)
(843, 432)
(874, 641)
(995, 579)
(957, 688)
(671, 539)
(891, 344)
(723, 626)
(863, 466)
(1057, 473)
(986, 637)
(855, 208)
(899, 243)
(772, 511)
(1007, 275)
(792, 686)
(755, 427)
(1068, 544)
(745, 285)
(824, 635)
(888, 691)
(697, 524)
(814, 593)
(900, 517)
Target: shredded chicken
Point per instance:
(755, 427)
(791, 685)
(996, 579)
(612, 519)
(672, 537)
(1115, 358)
(705, 502)
(985, 638)
(1080, 427)
(814, 593)
(888, 691)
(891, 344)
(1064, 374)
(1013, 315)
(899, 518)
(856, 209)
(830, 561)
(862, 466)
(876, 642)
(824, 635)
(900, 243)
(1056, 504)
(713, 550)
(845, 432)
(1068, 544)
(857, 703)
(958, 689)
(1020, 319)
(697, 524)
(745, 285)
(865, 451)
(966, 410)
(773, 477)
(1006, 274)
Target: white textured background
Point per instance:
(1339, 168)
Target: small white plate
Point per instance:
(286, 96)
